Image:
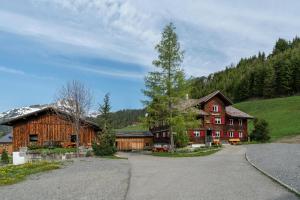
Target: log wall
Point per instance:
(133, 143)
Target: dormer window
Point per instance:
(215, 108)
(230, 121)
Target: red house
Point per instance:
(219, 121)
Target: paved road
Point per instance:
(85, 179)
(281, 161)
(224, 175)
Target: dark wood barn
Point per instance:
(49, 126)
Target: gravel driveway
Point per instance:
(84, 179)
(224, 175)
(282, 161)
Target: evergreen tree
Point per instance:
(105, 146)
(166, 86)
(280, 46)
(4, 157)
(261, 131)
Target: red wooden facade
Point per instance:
(48, 127)
(217, 120)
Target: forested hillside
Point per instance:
(259, 76)
(124, 118)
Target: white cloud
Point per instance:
(10, 70)
(213, 33)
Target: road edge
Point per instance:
(271, 177)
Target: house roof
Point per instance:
(6, 138)
(234, 112)
(211, 95)
(11, 120)
(134, 134)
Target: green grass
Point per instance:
(138, 127)
(15, 173)
(282, 114)
(201, 152)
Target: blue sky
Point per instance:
(109, 45)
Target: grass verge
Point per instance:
(202, 152)
(15, 173)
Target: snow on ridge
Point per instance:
(17, 112)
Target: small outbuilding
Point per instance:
(6, 143)
(134, 140)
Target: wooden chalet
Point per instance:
(134, 140)
(49, 126)
(219, 121)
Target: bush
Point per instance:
(261, 131)
(106, 145)
(89, 154)
(4, 157)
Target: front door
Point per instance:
(208, 136)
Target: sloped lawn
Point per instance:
(15, 173)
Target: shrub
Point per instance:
(106, 145)
(4, 157)
(89, 154)
(261, 131)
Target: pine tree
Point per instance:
(166, 86)
(105, 146)
(280, 46)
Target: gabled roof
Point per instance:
(10, 121)
(134, 134)
(234, 112)
(6, 138)
(211, 95)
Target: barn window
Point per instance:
(33, 138)
(216, 108)
(217, 120)
(231, 134)
(73, 138)
(230, 121)
(240, 134)
(147, 144)
(197, 133)
(240, 122)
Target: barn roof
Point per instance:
(234, 112)
(6, 138)
(134, 134)
(11, 119)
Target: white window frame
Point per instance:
(157, 135)
(215, 108)
(240, 134)
(197, 133)
(240, 122)
(231, 121)
(217, 134)
(231, 134)
(218, 120)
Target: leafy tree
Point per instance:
(166, 86)
(261, 131)
(4, 157)
(105, 146)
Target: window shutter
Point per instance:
(202, 133)
(221, 133)
(212, 119)
(219, 108)
(236, 134)
(222, 120)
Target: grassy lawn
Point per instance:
(138, 127)
(200, 152)
(15, 173)
(282, 114)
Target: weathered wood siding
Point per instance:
(133, 143)
(49, 127)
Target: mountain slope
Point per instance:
(282, 114)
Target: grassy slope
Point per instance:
(138, 127)
(282, 114)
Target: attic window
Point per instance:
(33, 138)
(215, 108)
